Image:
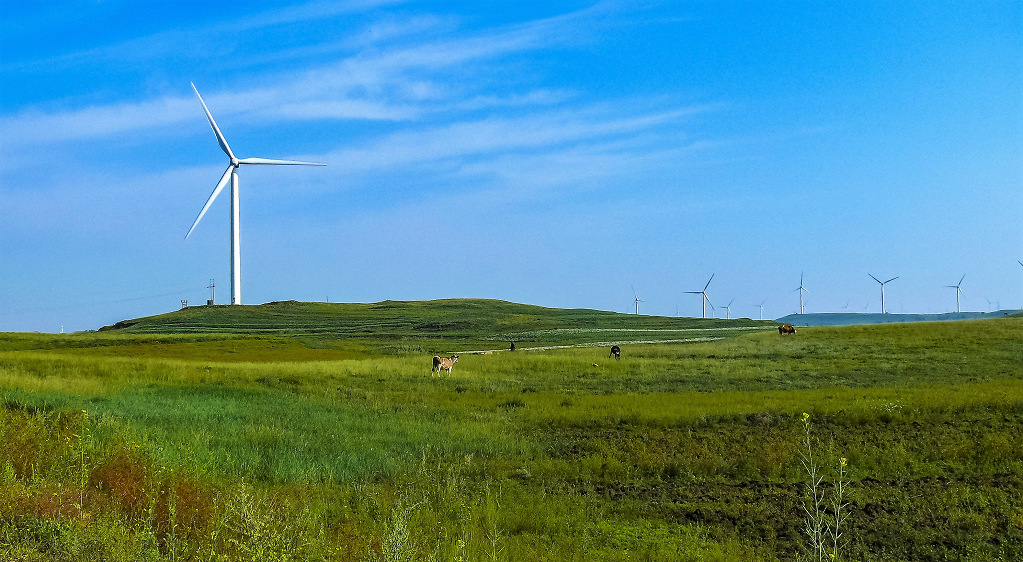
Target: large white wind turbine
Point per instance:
(801, 290)
(232, 172)
(882, 289)
(956, 287)
(706, 299)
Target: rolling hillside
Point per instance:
(470, 323)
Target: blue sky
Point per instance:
(554, 153)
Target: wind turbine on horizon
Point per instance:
(801, 290)
(706, 299)
(638, 300)
(728, 310)
(956, 287)
(761, 306)
(882, 289)
(232, 173)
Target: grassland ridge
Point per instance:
(470, 320)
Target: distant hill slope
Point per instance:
(850, 318)
(467, 320)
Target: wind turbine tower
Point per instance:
(761, 306)
(638, 300)
(956, 287)
(706, 299)
(728, 310)
(801, 290)
(232, 173)
(882, 289)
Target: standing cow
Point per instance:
(616, 352)
(440, 363)
(786, 329)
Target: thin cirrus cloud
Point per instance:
(190, 42)
(549, 148)
(401, 83)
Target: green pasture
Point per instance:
(301, 443)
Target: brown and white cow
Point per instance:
(440, 363)
(786, 329)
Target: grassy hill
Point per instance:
(422, 325)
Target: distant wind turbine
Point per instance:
(706, 299)
(728, 310)
(638, 300)
(958, 290)
(801, 290)
(232, 173)
(882, 289)
(761, 306)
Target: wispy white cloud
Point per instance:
(541, 131)
(34, 126)
(399, 83)
(191, 42)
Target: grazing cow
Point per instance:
(440, 363)
(513, 346)
(786, 329)
(616, 352)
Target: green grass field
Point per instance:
(299, 431)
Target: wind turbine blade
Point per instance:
(961, 280)
(216, 191)
(892, 279)
(694, 292)
(278, 162)
(216, 129)
(708, 281)
(875, 279)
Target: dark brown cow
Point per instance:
(616, 352)
(786, 329)
(440, 363)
